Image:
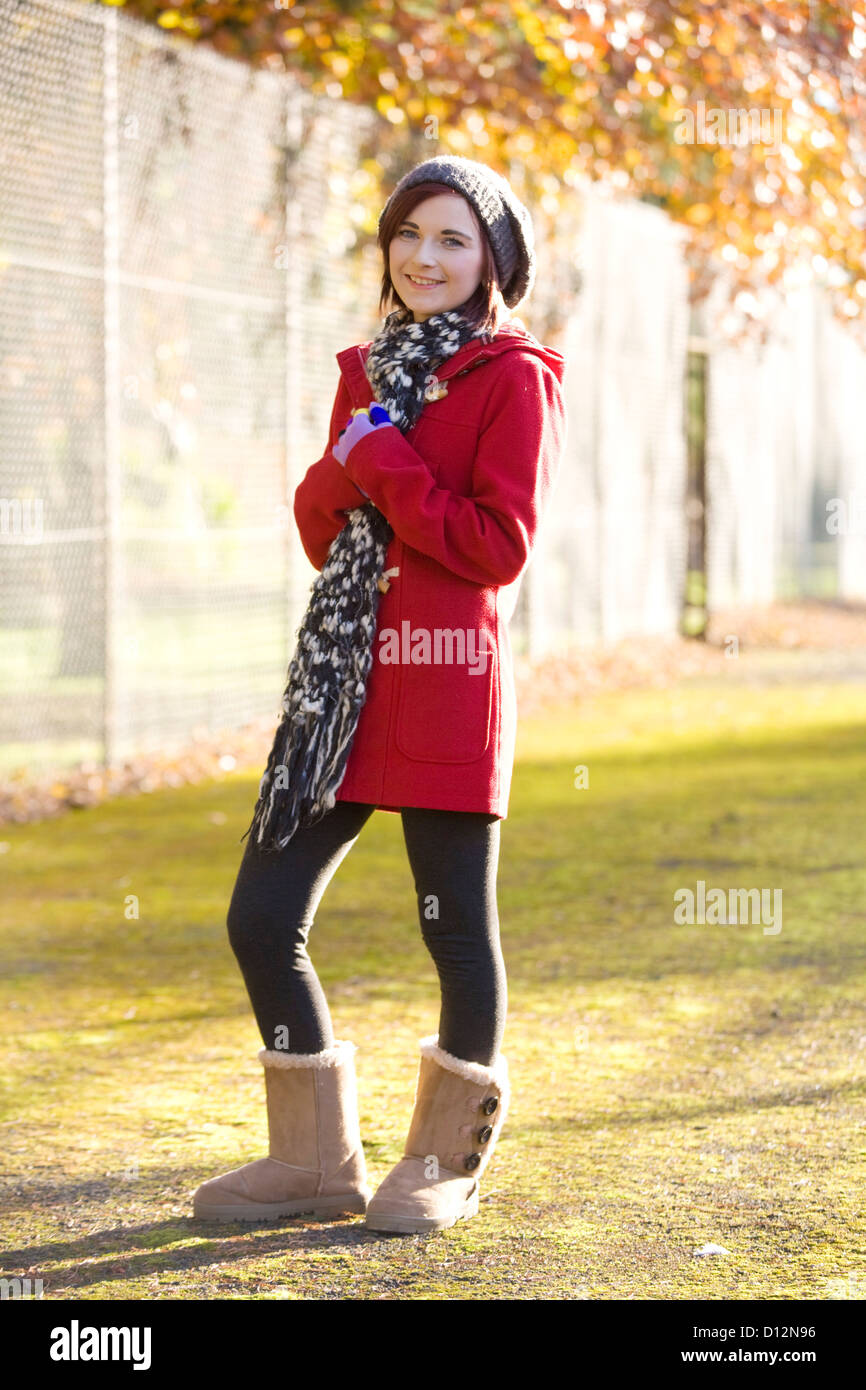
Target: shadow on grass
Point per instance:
(211, 1242)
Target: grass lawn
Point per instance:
(674, 1084)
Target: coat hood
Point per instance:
(512, 334)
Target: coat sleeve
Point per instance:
(325, 494)
(488, 536)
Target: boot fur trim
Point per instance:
(497, 1074)
(342, 1051)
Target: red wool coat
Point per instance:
(463, 491)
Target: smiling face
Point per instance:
(439, 242)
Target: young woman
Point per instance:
(447, 428)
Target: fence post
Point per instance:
(695, 600)
(111, 394)
(538, 636)
(296, 133)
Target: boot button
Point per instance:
(484, 1134)
(471, 1161)
(490, 1105)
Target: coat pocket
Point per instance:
(448, 666)
(448, 446)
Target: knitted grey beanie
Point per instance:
(505, 219)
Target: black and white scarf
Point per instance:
(327, 677)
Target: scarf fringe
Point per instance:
(327, 684)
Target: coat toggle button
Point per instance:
(383, 583)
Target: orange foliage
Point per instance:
(745, 122)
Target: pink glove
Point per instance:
(361, 422)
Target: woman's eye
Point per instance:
(455, 241)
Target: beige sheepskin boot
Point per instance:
(460, 1108)
(315, 1160)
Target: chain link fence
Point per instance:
(612, 563)
(786, 458)
(173, 236)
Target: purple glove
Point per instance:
(360, 423)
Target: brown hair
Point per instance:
(485, 308)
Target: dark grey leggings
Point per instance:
(453, 857)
